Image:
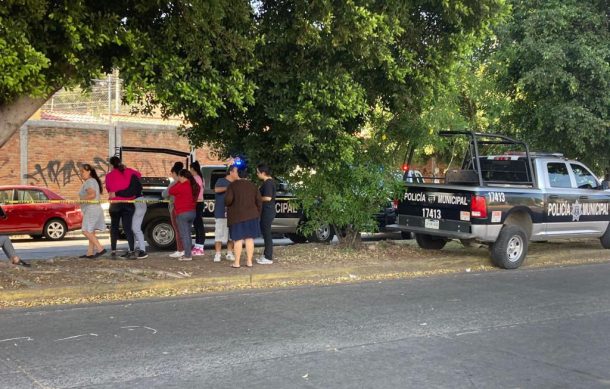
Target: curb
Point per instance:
(124, 291)
(98, 293)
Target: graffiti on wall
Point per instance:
(57, 173)
(61, 173)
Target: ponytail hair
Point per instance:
(117, 164)
(94, 175)
(194, 185)
(177, 167)
(197, 168)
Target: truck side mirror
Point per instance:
(605, 185)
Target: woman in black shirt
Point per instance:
(267, 190)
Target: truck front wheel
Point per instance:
(430, 242)
(160, 234)
(510, 249)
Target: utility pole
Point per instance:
(117, 91)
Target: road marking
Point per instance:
(74, 337)
(27, 338)
(131, 328)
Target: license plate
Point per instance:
(431, 224)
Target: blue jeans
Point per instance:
(7, 247)
(136, 223)
(185, 222)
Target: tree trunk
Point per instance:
(15, 114)
(349, 237)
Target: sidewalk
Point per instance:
(67, 280)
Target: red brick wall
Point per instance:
(55, 154)
(10, 162)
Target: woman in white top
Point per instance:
(93, 214)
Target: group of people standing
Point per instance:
(242, 212)
(127, 208)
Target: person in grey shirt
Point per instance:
(93, 214)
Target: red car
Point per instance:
(51, 220)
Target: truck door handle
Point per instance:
(584, 197)
(553, 197)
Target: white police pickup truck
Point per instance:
(506, 201)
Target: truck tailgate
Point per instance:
(436, 210)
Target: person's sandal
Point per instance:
(21, 263)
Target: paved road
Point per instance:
(524, 328)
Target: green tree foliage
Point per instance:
(324, 66)
(181, 56)
(553, 60)
(348, 191)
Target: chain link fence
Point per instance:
(100, 104)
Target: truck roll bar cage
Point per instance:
(190, 156)
(478, 139)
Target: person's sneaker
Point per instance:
(142, 254)
(177, 254)
(217, 257)
(264, 261)
(129, 255)
(230, 256)
(185, 259)
(197, 251)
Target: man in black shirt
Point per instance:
(267, 190)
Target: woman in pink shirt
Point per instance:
(198, 223)
(120, 212)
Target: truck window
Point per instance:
(584, 178)
(215, 176)
(558, 175)
(504, 170)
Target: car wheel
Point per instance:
(605, 239)
(510, 249)
(55, 229)
(160, 234)
(36, 236)
(429, 242)
(406, 235)
(323, 234)
(296, 238)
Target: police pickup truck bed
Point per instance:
(506, 201)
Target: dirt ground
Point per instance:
(295, 265)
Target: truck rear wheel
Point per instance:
(430, 242)
(510, 249)
(322, 234)
(605, 239)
